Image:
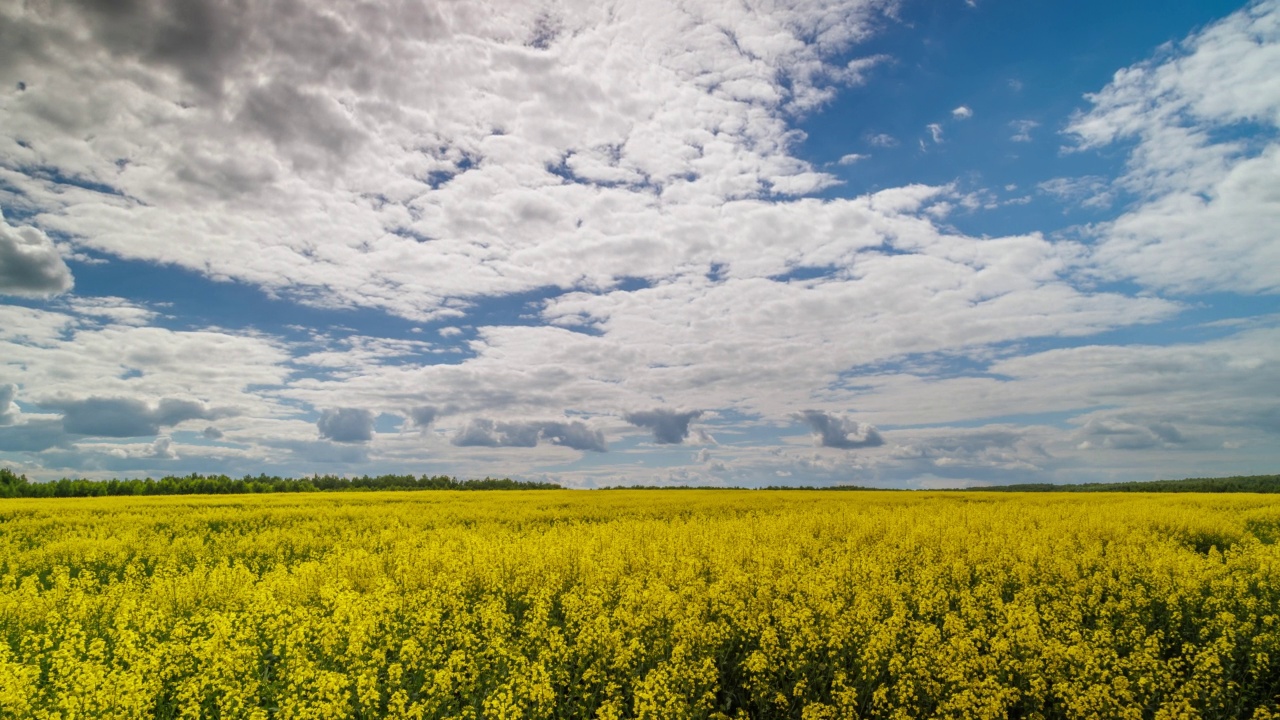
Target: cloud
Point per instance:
(850, 159)
(212, 433)
(32, 436)
(669, 427)
(346, 425)
(126, 417)
(482, 131)
(482, 432)
(1091, 191)
(8, 408)
(1119, 435)
(30, 265)
(834, 431)
(1022, 130)
(1203, 117)
(882, 140)
(423, 416)
(962, 113)
(935, 132)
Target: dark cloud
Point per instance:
(200, 38)
(32, 436)
(669, 427)
(126, 417)
(1121, 435)
(422, 417)
(213, 433)
(839, 432)
(477, 433)
(346, 425)
(574, 435)
(482, 432)
(30, 265)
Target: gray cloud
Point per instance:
(30, 265)
(423, 416)
(212, 433)
(1121, 435)
(126, 417)
(346, 425)
(197, 37)
(669, 427)
(482, 432)
(32, 436)
(574, 435)
(839, 432)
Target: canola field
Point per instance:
(641, 604)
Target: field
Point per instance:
(649, 604)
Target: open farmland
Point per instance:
(652, 604)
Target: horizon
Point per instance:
(897, 245)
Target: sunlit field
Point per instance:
(649, 604)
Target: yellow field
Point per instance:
(671, 604)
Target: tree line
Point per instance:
(13, 485)
(1234, 484)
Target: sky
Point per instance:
(891, 243)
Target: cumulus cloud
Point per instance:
(482, 432)
(1203, 114)
(212, 433)
(127, 417)
(346, 425)
(670, 427)
(835, 431)
(850, 159)
(962, 113)
(8, 408)
(30, 265)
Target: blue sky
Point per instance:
(896, 244)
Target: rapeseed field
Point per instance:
(644, 604)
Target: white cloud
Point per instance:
(325, 170)
(8, 408)
(1022, 130)
(935, 132)
(1206, 164)
(30, 265)
(1092, 191)
(962, 113)
(850, 159)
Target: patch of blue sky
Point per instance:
(1008, 63)
(187, 300)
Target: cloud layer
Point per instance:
(528, 237)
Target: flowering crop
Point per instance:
(690, 604)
